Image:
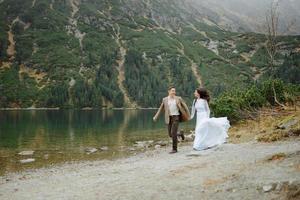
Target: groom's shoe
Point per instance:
(182, 136)
(173, 151)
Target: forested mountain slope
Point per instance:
(115, 53)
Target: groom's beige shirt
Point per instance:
(173, 108)
(184, 114)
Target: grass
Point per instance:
(262, 127)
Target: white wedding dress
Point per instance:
(209, 132)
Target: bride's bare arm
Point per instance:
(193, 111)
(207, 109)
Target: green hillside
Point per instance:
(97, 53)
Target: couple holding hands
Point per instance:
(209, 132)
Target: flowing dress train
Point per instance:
(209, 132)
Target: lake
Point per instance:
(59, 136)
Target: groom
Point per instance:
(175, 111)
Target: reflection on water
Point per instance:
(58, 135)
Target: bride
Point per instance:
(209, 132)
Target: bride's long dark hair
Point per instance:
(204, 94)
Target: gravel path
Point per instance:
(230, 171)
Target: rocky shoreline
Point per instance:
(25, 157)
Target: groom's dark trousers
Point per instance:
(172, 130)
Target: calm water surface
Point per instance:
(63, 135)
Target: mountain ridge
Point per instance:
(72, 53)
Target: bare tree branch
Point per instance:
(271, 44)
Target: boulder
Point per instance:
(90, 150)
(267, 188)
(150, 141)
(279, 186)
(140, 145)
(162, 143)
(26, 153)
(105, 148)
(143, 144)
(28, 160)
(190, 137)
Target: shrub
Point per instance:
(226, 106)
(243, 47)
(268, 91)
(253, 97)
(235, 104)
